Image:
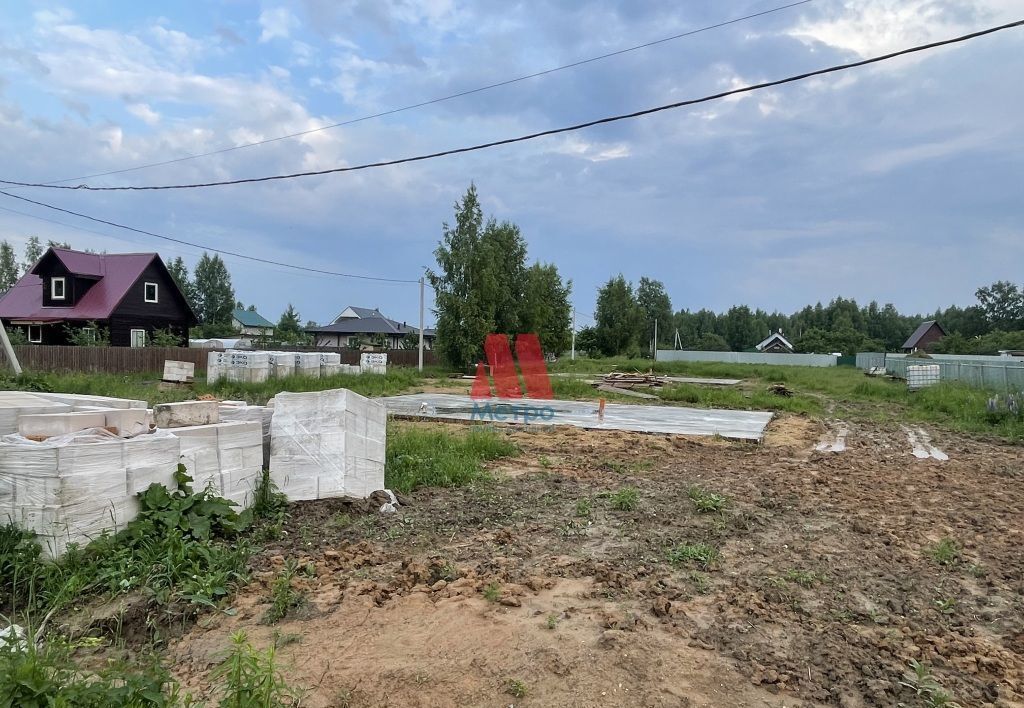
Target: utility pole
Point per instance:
(9, 350)
(654, 350)
(421, 324)
(572, 356)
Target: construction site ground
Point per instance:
(820, 580)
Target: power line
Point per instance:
(205, 248)
(440, 99)
(543, 133)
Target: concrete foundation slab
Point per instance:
(741, 425)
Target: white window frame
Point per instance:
(92, 333)
(39, 331)
(131, 338)
(63, 288)
(156, 292)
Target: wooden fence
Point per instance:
(150, 360)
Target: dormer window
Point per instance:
(150, 294)
(56, 288)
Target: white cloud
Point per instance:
(277, 22)
(143, 112)
(872, 27)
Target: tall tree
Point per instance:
(545, 308)
(479, 282)
(1003, 304)
(289, 327)
(503, 274)
(33, 251)
(461, 320)
(8, 267)
(656, 305)
(620, 321)
(179, 273)
(215, 298)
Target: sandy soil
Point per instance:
(823, 592)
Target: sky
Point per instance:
(900, 182)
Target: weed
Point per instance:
(706, 502)
(183, 547)
(977, 571)
(945, 552)
(626, 499)
(545, 462)
(584, 507)
(552, 621)
(341, 520)
(920, 680)
(700, 582)
(946, 606)
(448, 572)
(46, 676)
(248, 677)
(700, 554)
(492, 592)
(283, 597)
(804, 578)
(573, 528)
(418, 457)
(515, 688)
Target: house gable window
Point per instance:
(57, 286)
(151, 292)
(35, 334)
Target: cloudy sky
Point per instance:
(900, 182)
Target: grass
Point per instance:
(945, 552)
(584, 507)
(950, 404)
(515, 688)
(625, 499)
(706, 502)
(425, 457)
(699, 554)
(144, 386)
(492, 592)
(283, 597)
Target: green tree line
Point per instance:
(624, 324)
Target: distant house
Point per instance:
(360, 327)
(775, 344)
(251, 324)
(928, 332)
(130, 294)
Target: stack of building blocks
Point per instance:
(282, 364)
(307, 364)
(185, 413)
(330, 364)
(327, 444)
(373, 363)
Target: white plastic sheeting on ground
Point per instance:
(743, 425)
(327, 444)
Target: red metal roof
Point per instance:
(117, 272)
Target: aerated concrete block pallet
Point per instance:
(179, 415)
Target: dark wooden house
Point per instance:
(131, 295)
(928, 332)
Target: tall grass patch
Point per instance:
(430, 457)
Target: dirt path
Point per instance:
(823, 590)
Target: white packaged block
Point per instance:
(319, 447)
(82, 399)
(48, 425)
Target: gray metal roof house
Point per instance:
(362, 327)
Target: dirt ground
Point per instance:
(536, 590)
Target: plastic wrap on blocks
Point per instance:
(319, 444)
(239, 484)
